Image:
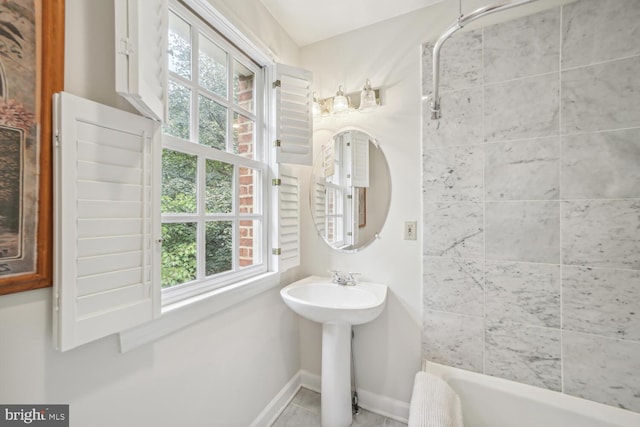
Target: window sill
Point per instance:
(191, 310)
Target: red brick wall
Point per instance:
(243, 129)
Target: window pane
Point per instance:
(179, 46)
(178, 182)
(218, 247)
(243, 82)
(243, 136)
(212, 123)
(249, 185)
(178, 253)
(179, 111)
(219, 194)
(213, 67)
(248, 249)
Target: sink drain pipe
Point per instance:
(355, 409)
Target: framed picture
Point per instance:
(362, 207)
(31, 70)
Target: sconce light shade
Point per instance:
(367, 97)
(340, 102)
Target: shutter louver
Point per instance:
(294, 116)
(328, 158)
(319, 205)
(360, 160)
(288, 219)
(141, 54)
(105, 220)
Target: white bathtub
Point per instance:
(494, 402)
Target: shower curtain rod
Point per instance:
(460, 23)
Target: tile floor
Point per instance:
(304, 411)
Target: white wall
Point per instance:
(388, 349)
(221, 371)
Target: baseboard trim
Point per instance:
(310, 381)
(382, 405)
(278, 404)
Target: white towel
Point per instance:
(433, 403)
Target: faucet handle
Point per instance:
(335, 276)
(351, 277)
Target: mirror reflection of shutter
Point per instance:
(293, 115)
(328, 158)
(288, 236)
(106, 186)
(319, 204)
(141, 32)
(360, 160)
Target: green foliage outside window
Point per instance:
(180, 170)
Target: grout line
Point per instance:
(631, 199)
(453, 313)
(533, 138)
(560, 202)
(530, 325)
(600, 336)
(511, 261)
(517, 79)
(608, 61)
(484, 211)
(598, 131)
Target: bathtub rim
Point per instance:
(609, 415)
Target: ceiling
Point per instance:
(309, 21)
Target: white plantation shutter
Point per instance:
(294, 116)
(141, 54)
(106, 184)
(328, 158)
(319, 194)
(288, 234)
(359, 159)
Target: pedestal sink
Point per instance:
(337, 307)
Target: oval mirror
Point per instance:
(350, 191)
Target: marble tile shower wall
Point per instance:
(532, 202)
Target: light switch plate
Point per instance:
(410, 232)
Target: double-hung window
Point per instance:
(154, 213)
(214, 162)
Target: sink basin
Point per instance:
(337, 307)
(317, 298)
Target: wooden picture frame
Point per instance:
(49, 71)
(362, 207)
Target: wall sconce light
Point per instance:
(366, 100)
(340, 102)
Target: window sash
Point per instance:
(258, 162)
(233, 55)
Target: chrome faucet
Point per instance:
(344, 279)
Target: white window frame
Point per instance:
(259, 116)
(186, 310)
